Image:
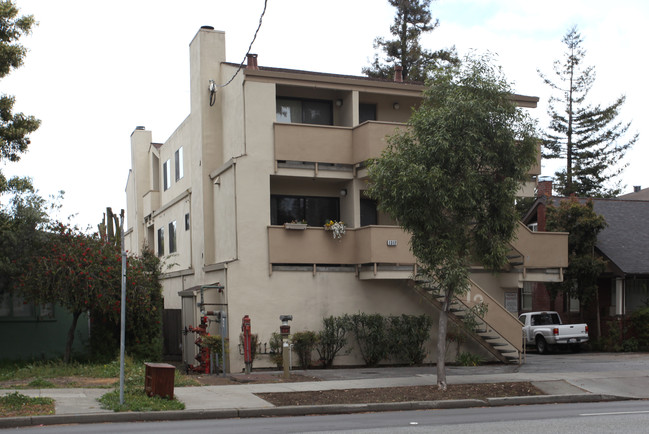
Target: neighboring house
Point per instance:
(276, 146)
(639, 193)
(624, 243)
(30, 332)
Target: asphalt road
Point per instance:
(620, 416)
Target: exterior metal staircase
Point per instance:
(497, 330)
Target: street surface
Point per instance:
(592, 418)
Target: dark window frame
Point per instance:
(305, 208)
(329, 103)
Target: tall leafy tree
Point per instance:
(589, 137)
(14, 127)
(584, 266)
(412, 18)
(451, 178)
(82, 273)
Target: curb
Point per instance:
(301, 410)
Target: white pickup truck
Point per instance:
(544, 329)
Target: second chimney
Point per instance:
(398, 74)
(252, 62)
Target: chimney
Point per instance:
(398, 74)
(544, 188)
(636, 188)
(252, 62)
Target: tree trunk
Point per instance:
(441, 341)
(70, 340)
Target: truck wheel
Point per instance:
(541, 345)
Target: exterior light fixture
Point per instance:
(339, 102)
(396, 106)
(343, 192)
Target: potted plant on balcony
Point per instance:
(296, 225)
(337, 228)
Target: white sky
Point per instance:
(96, 70)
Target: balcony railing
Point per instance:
(541, 249)
(390, 245)
(327, 144)
(366, 245)
(341, 145)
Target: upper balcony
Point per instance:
(332, 144)
(341, 145)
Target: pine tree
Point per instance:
(413, 18)
(588, 137)
(14, 128)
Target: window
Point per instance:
(187, 221)
(636, 294)
(366, 112)
(315, 210)
(178, 161)
(161, 242)
(526, 295)
(573, 304)
(304, 111)
(13, 306)
(166, 175)
(172, 236)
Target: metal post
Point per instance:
(122, 339)
(223, 332)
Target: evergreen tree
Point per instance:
(413, 18)
(589, 138)
(450, 180)
(14, 127)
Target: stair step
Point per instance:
(500, 345)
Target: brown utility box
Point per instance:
(159, 379)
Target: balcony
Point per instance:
(366, 245)
(342, 145)
(334, 145)
(544, 254)
(150, 202)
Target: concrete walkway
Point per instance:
(81, 406)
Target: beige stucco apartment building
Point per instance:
(275, 146)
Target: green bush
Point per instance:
(640, 323)
(331, 339)
(303, 345)
(407, 335)
(275, 344)
(371, 336)
(468, 359)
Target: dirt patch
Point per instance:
(401, 394)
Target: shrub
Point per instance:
(332, 339)
(640, 323)
(275, 344)
(468, 359)
(303, 344)
(407, 335)
(371, 336)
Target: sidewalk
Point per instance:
(81, 406)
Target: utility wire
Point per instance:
(213, 86)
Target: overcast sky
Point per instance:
(96, 70)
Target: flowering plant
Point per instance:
(337, 228)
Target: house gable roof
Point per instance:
(625, 241)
